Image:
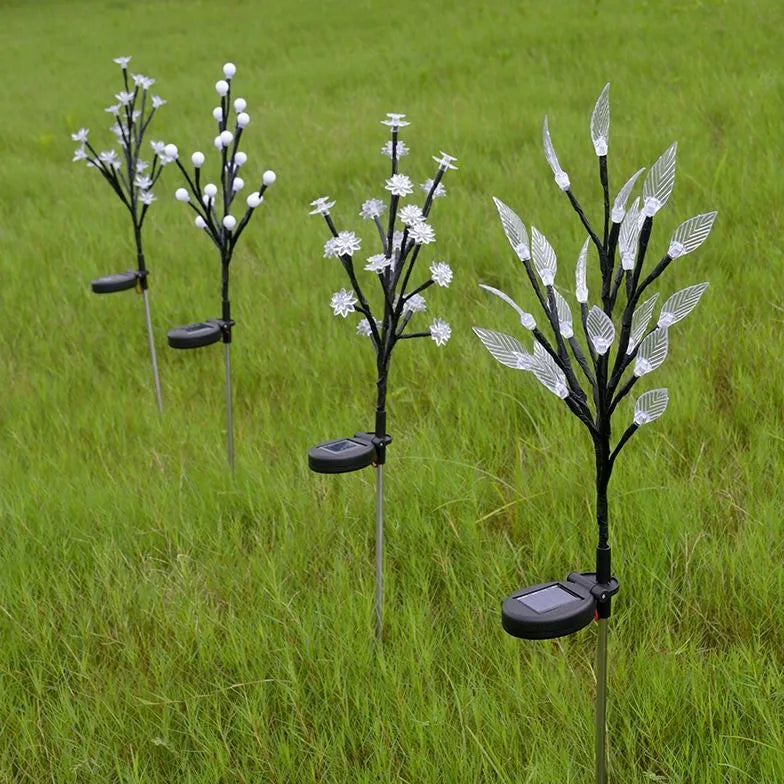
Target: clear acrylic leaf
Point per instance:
(658, 185)
(601, 330)
(564, 315)
(581, 288)
(640, 320)
(619, 205)
(600, 122)
(680, 304)
(545, 369)
(650, 405)
(544, 257)
(506, 349)
(561, 177)
(653, 351)
(526, 319)
(691, 234)
(629, 235)
(514, 228)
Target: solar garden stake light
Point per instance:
(400, 301)
(558, 608)
(132, 179)
(214, 216)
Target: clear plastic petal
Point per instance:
(650, 405)
(658, 185)
(564, 315)
(514, 228)
(561, 177)
(629, 235)
(680, 304)
(544, 257)
(506, 349)
(619, 205)
(600, 122)
(653, 351)
(691, 234)
(526, 319)
(640, 321)
(581, 288)
(545, 369)
(601, 330)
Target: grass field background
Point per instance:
(161, 621)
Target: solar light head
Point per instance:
(202, 333)
(120, 281)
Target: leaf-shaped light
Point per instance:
(581, 288)
(545, 369)
(653, 351)
(505, 349)
(680, 304)
(600, 122)
(601, 330)
(650, 405)
(561, 177)
(526, 319)
(564, 315)
(658, 185)
(629, 235)
(619, 205)
(691, 234)
(544, 257)
(514, 228)
(640, 320)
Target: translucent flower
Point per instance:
(397, 240)
(395, 121)
(415, 304)
(81, 135)
(142, 166)
(158, 147)
(363, 328)
(377, 263)
(124, 97)
(116, 129)
(428, 184)
(136, 115)
(372, 208)
(109, 157)
(402, 149)
(122, 61)
(145, 82)
(422, 233)
(79, 154)
(441, 273)
(347, 243)
(330, 248)
(399, 185)
(115, 109)
(440, 331)
(342, 302)
(445, 161)
(321, 206)
(145, 183)
(147, 197)
(411, 214)
(157, 101)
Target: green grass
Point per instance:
(163, 622)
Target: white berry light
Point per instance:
(226, 137)
(254, 200)
(171, 151)
(243, 118)
(229, 221)
(221, 87)
(269, 177)
(182, 195)
(240, 104)
(229, 69)
(197, 159)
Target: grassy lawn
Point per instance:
(163, 621)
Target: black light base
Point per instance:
(202, 333)
(120, 281)
(342, 455)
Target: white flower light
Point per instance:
(229, 69)
(238, 184)
(363, 328)
(80, 135)
(254, 200)
(415, 304)
(145, 183)
(401, 149)
(200, 222)
(229, 222)
(142, 166)
(422, 233)
(109, 157)
(124, 97)
(372, 208)
(399, 185)
(378, 263)
(226, 137)
(197, 159)
(145, 82)
(182, 195)
(122, 61)
(157, 101)
(268, 177)
(243, 118)
(147, 197)
(445, 161)
(115, 109)
(321, 206)
(79, 154)
(561, 177)
(240, 105)
(330, 249)
(221, 87)
(158, 148)
(342, 302)
(411, 214)
(171, 151)
(441, 273)
(347, 243)
(440, 331)
(395, 121)
(438, 192)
